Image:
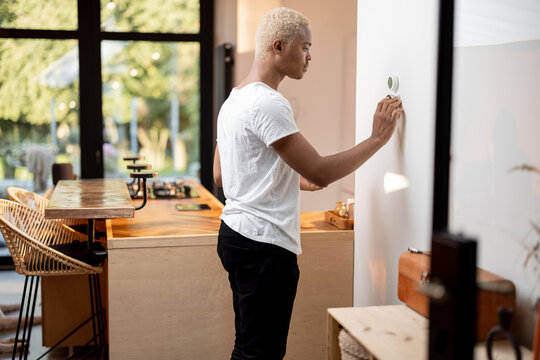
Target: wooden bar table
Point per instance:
(65, 299)
(169, 297)
(90, 199)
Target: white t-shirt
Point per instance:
(262, 191)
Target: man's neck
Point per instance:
(263, 71)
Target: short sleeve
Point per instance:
(272, 119)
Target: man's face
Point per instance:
(296, 56)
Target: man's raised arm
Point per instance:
(300, 155)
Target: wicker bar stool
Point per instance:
(43, 247)
(39, 203)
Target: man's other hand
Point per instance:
(308, 186)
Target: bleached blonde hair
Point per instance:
(278, 24)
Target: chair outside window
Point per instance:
(43, 247)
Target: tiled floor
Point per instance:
(11, 288)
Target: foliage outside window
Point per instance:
(151, 102)
(151, 105)
(38, 86)
(166, 16)
(38, 14)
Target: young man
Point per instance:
(262, 161)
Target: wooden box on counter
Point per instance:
(340, 222)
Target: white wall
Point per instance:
(400, 38)
(225, 28)
(495, 127)
(324, 101)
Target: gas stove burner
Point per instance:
(176, 189)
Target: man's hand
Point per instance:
(307, 186)
(385, 119)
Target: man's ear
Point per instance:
(277, 47)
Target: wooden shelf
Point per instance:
(394, 332)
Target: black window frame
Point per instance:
(443, 116)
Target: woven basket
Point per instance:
(350, 348)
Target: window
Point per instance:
(151, 105)
(170, 16)
(39, 109)
(34, 14)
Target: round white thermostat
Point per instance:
(393, 82)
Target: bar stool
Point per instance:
(42, 247)
(137, 168)
(134, 160)
(39, 203)
(143, 175)
(62, 171)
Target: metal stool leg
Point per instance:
(14, 353)
(102, 325)
(25, 323)
(26, 326)
(32, 316)
(28, 306)
(95, 309)
(93, 314)
(100, 310)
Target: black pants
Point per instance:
(263, 280)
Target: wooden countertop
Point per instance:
(314, 221)
(160, 224)
(90, 199)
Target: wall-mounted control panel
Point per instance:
(393, 85)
